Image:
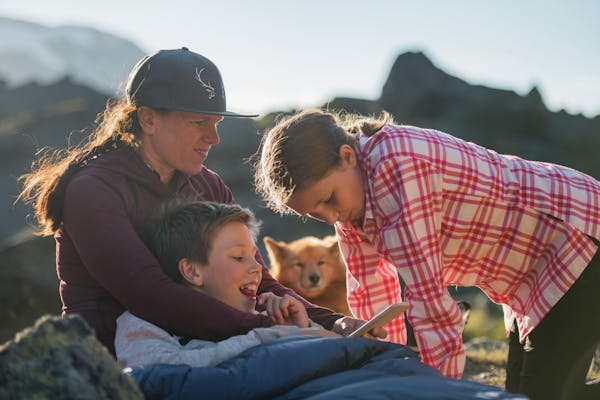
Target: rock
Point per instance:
(61, 359)
(485, 344)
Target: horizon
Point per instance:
(275, 55)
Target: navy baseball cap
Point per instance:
(181, 80)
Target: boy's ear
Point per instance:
(347, 155)
(191, 272)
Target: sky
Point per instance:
(278, 54)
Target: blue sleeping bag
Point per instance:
(305, 367)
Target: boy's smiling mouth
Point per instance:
(249, 290)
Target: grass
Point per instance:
(484, 324)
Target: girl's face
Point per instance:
(177, 140)
(339, 196)
(232, 274)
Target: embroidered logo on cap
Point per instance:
(207, 86)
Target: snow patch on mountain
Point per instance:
(31, 52)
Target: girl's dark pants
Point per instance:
(555, 358)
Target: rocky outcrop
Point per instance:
(28, 282)
(33, 117)
(61, 359)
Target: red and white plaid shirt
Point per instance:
(441, 211)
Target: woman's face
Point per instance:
(232, 274)
(177, 140)
(338, 196)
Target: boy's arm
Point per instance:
(140, 343)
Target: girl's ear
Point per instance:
(347, 155)
(191, 272)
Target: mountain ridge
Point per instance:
(44, 54)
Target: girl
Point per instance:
(440, 211)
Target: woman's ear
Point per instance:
(191, 272)
(147, 119)
(347, 155)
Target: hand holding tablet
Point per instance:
(381, 318)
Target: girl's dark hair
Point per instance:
(44, 187)
(301, 149)
(185, 229)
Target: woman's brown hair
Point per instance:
(301, 149)
(44, 187)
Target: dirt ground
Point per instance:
(485, 372)
(486, 362)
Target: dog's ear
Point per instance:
(275, 251)
(331, 243)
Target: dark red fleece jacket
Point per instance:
(104, 267)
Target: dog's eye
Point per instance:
(299, 265)
(320, 263)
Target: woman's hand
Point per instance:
(286, 310)
(346, 325)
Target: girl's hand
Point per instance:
(346, 325)
(286, 310)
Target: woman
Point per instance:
(147, 148)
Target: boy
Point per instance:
(211, 248)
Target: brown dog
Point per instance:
(313, 268)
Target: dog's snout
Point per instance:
(314, 278)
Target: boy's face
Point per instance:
(339, 196)
(232, 274)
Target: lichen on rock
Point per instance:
(61, 358)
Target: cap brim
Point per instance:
(228, 114)
(195, 110)
(212, 112)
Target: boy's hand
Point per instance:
(285, 310)
(346, 325)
